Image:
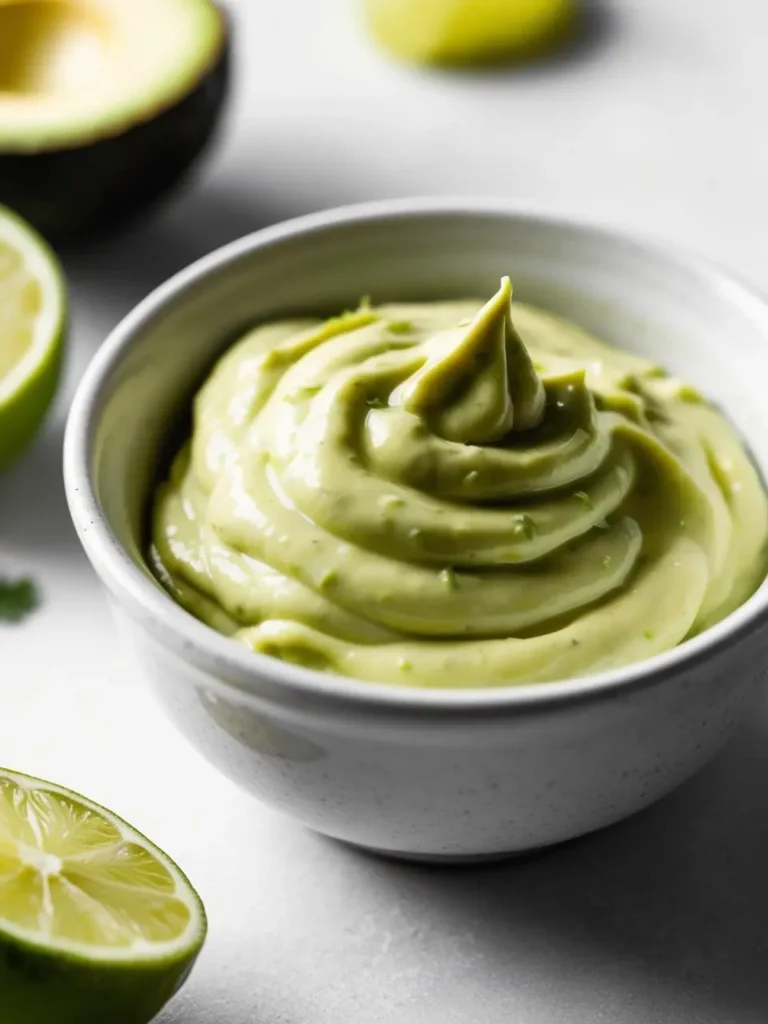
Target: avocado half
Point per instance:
(104, 105)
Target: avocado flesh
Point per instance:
(104, 108)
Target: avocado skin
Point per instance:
(80, 193)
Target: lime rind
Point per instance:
(28, 387)
(50, 322)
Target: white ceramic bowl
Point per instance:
(419, 773)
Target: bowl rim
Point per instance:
(260, 676)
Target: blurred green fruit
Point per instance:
(469, 31)
(104, 105)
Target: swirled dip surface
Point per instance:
(432, 495)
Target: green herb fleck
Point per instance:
(17, 599)
(648, 634)
(689, 394)
(399, 326)
(306, 392)
(524, 525)
(390, 501)
(448, 577)
(348, 320)
(404, 665)
(574, 642)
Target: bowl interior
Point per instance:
(694, 321)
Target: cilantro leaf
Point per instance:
(17, 599)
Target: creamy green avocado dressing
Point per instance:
(431, 495)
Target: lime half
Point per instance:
(97, 926)
(32, 327)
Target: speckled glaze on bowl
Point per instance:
(438, 775)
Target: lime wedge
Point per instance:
(96, 924)
(469, 31)
(32, 328)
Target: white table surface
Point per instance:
(658, 124)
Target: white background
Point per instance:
(659, 123)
